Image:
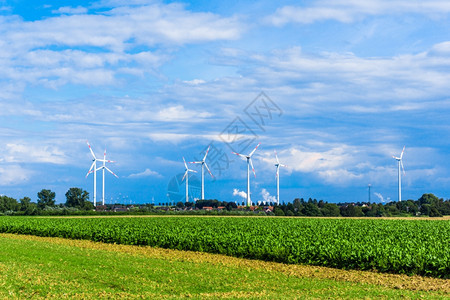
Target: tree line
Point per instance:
(77, 202)
(426, 205)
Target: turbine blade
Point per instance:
(401, 155)
(209, 170)
(185, 163)
(253, 169)
(195, 162)
(90, 170)
(185, 175)
(192, 170)
(241, 155)
(251, 153)
(90, 149)
(403, 169)
(276, 156)
(111, 172)
(204, 158)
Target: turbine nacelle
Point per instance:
(203, 162)
(249, 157)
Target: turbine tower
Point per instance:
(278, 165)
(103, 168)
(93, 169)
(186, 174)
(400, 163)
(249, 162)
(203, 163)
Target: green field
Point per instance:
(37, 267)
(393, 246)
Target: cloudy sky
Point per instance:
(336, 87)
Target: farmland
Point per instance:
(42, 267)
(393, 246)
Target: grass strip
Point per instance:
(41, 267)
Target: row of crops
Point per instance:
(397, 246)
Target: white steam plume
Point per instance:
(239, 193)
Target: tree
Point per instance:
(231, 206)
(278, 211)
(311, 209)
(76, 197)
(25, 203)
(428, 199)
(28, 207)
(180, 204)
(330, 210)
(351, 210)
(46, 198)
(434, 212)
(8, 204)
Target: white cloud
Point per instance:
(349, 11)
(14, 175)
(345, 80)
(340, 177)
(146, 173)
(107, 42)
(70, 10)
(179, 113)
(29, 153)
(195, 81)
(335, 164)
(239, 193)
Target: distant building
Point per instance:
(118, 208)
(101, 208)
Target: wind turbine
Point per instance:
(103, 168)
(186, 174)
(278, 165)
(400, 162)
(93, 169)
(203, 163)
(249, 162)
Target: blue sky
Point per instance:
(349, 83)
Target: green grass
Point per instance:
(40, 268)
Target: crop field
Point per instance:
(395, 246)
(43, 267)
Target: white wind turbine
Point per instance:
(400, 163)
(93, 169)
(186, 174)
(104, 167)
(203, 163)
(249, 162)
(278, 165)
